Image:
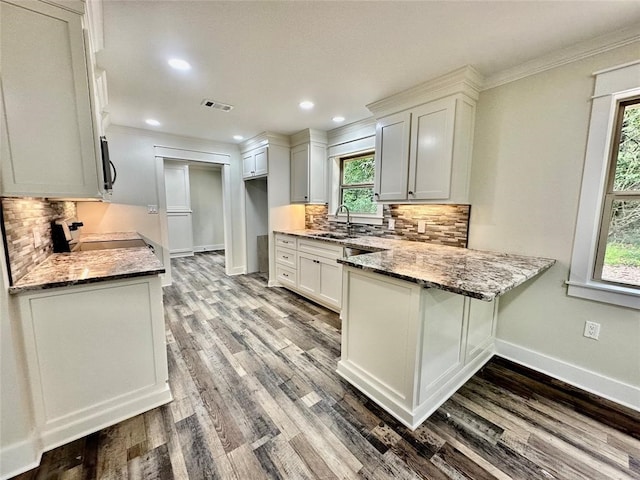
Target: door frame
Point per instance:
(186, 156)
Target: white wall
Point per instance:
(132, 152)
(529, 152)
(206, 204)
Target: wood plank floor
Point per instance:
(252, 371)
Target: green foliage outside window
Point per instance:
(356, 185)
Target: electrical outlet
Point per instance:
(37, 239)
(310, 218)
(392, 224)
(591, 330)
(152, 209)
(422, 226)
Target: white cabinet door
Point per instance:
(330, 282)
(318, 163)
(255, 163)
(431, 151)
(392, 157)
(248, 165)
(261, 162)
(52, 149)
(308, 274)
(180, 227)
(300, 174)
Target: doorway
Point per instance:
(195, 215)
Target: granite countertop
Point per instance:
(76, 268)
(108, 237)
(475, 273)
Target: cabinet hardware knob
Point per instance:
(410, 193)
(376, 194)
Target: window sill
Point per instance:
(358, 219)
(603, 292)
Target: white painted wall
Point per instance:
(206, 205)
(528, 157)
(132, 151)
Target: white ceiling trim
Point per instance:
(564, 56)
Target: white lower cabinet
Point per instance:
(310, 268)
(410, 348)
(95, 354)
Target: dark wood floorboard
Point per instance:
(256, 396)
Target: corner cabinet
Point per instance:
(255, 163)
(49, 145)
(424, 140)
(309, 163)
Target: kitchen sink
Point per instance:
(109, 244)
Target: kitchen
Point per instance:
(524, 192)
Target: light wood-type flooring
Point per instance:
(252, 371)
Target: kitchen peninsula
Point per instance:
(418, 319)
(92, 325)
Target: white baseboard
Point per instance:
(237, 270)
(606, 387)
(208, 248)
(19, 457)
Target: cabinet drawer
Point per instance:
(321, 249)
(286, 257)
(286, 241)
(285, 275)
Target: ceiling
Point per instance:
(266, 57)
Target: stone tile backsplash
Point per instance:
(445, 224)
(24, 220)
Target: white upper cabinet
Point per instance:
(255, 163)
(309, 163)
(423, 140)
(392, 156)
(49, 144)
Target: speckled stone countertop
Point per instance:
(109, 237)
(475, 273)
(76, 268)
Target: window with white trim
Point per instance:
(618, 252)
(356, 183)
(605, 263)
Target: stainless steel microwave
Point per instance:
(109, 173)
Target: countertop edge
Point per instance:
(13, 290)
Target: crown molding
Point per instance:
(308, 135)
(346, 133)
(264, 139)
(466, 80)
(579, 51)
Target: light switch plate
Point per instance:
(392, 224)
(422, 226)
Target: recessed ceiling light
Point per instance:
(179, 64)
(306, 105)
(238, 137)
(152, 122)
(338, 119)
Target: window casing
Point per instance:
(356, 183)
(618, 251)
(613, 87)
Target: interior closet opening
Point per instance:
(195, 214)
(257, 221)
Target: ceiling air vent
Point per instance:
(217, 105)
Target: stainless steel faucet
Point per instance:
(340, 207)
